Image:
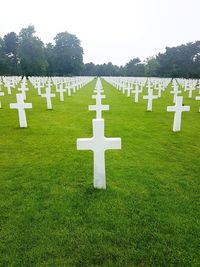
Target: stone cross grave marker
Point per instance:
(99, 144)
(23, 90)
(39, 88)
(128, 89)
(149, 86)
(136, 91)
(98, 107)
(21, 106)
(150, 97)
(1, 94)
(61, 90)
(160, 89)
(8, 86)
(191, 89)
(175, 91)
(68, 89)
(48, 95)
(178, 109)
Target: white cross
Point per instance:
(49, 83)
(198, 98)
(98, 88)
(98, 107)
(1, 94)
(8, 86)
(190, 89)
(175, 91)
(98, 85)
(76, 84)
(150, 98)
(136, 92)
(56, 84)
(61, 91)
(21, 106)
(68, 89)
(73, 87)
(98, 96)
(149, 86)
(98, 92)
(99, 144)
(121, 86)
(178, 109)
(23, 90)
(116, 83)
(160, 89)
(48, 96)
(128, 88)
(39, 88)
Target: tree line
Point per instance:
(26, 54)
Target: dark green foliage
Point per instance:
(134, 68)
(90, 69)
(31, 53)
(50, 57)
(11, 52)
(151, 67)
(4, 62)
(180, 61)
(68, 54)
(27, 55)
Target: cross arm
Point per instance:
(84, 144)
(28, 105)
(186, 108)
(101, 107)
(170, 108)
(13, 105)
(105, 107)
(92, 107)
(112, 143)
(98, 96)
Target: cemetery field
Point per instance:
(50, 215)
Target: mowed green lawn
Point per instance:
(50, 215)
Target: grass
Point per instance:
(50, 215)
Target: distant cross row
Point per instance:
(98, 143)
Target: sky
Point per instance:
(110, 30)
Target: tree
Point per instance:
(151, 67)
(134, 68)
(111, 70)
(89, 69)
(11, 52)
(31, 53)
(108, 69)
(180, 61)
(4, 65)
(50, 57)
(68, 54)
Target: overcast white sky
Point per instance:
(109, 30)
